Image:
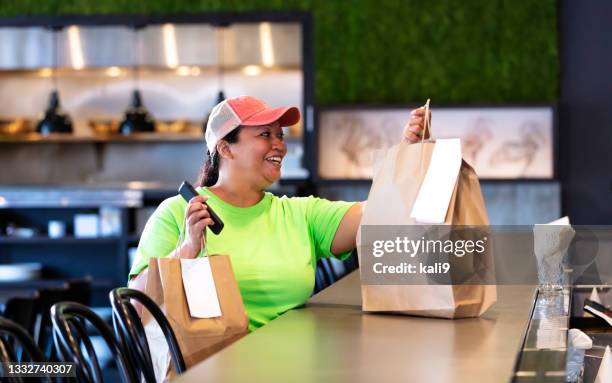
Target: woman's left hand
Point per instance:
(413, 130)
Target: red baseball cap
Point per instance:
(246, 111)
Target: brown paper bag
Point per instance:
(397, 180)
(198, 338)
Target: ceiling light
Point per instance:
(251, 70)
(76, 50)
(45, 72)
(113, 71)
(54, 119)
(183, 71)
(170, 51)
(267, 51)
(136, 118)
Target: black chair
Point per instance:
(43, 328)
(325, 275)
(11, 333)
(129, 329)
(74, 290)
(19, 305)
(16, 304)
(352, 262)
(79, 290)
(70, 338)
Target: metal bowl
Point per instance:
(15, 127)
(104, 126)
(176, 126)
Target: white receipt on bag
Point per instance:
(431, 204)
(200, 288)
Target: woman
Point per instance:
(274, 242)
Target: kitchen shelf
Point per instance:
(63, 241)
(41, 284)
(110, 138)
(123, 71)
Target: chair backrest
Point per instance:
(12, 334)
(129, 329)
(325, 274)
(74, 290)
(79, 290)
(43, 328)
(70, 337)
(21, 306)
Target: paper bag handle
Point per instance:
(426, 123)
(203, 247)
(426, 129)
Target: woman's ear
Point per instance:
(224, 150)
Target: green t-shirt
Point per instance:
(273, 245)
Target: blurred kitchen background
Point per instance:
(102, 107)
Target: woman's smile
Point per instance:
(276, 161)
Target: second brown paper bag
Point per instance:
(198, 337)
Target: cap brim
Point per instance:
(286, 116)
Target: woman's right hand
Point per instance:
(197, 217)
(413, 131)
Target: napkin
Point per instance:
(604, 375)
(577, 342)
(551, 242)
(552, 238)
(578, 339)
(595, 296)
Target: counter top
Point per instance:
(331, 340)
(119, 194)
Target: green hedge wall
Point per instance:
(396, 51)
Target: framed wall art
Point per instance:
(501, 143)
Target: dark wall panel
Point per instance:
(585, 113)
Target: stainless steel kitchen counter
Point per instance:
(331, 340)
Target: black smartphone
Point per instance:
(188, 192)
(598, 310)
